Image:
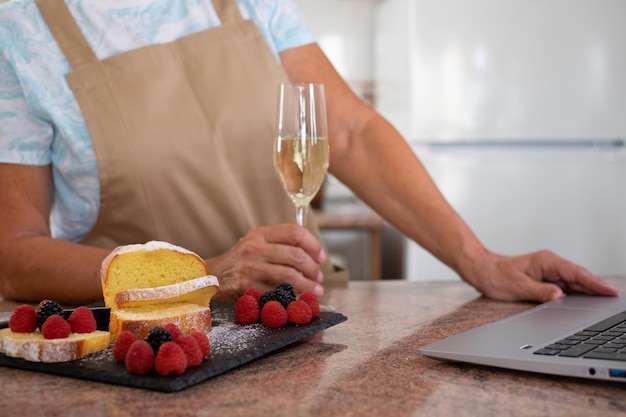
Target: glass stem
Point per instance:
(301, 214)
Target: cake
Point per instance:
(156, 283)
(33, 347)
(197, 290)
(149, 265)
(188, 317)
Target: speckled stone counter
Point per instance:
(366, 366)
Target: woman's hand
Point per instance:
(539, 276)
(267, 256)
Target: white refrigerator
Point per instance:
(518, 110)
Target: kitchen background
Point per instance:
(516, 107)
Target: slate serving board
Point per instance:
(232, 345)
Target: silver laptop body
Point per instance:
(512, 343)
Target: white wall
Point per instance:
(344, 31)
(502, 69)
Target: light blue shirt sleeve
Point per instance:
(293, 31)
(24, 139)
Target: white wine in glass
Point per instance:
(301, 146)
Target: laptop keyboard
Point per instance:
(603, 340)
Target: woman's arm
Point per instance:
(33, 266)
(369, 156)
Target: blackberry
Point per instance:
(157, 336)
(284, 294)
(46, 309)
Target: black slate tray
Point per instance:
(232, 345)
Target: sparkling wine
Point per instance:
(301, 165)
(301, 145)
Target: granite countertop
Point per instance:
(366, 366)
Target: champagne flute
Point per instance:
(301, 145)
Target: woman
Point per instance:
(132, 120)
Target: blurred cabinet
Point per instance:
(355, 234)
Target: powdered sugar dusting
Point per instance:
(100, 358)
(228, 337)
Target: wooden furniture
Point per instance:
(366, 366)
(355, 217)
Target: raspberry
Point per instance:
(312, 301)
(284, 293)
(56, 327)
(122, 344)
(299, 312)
(157, 336)
(253, 292)
(203, 343)
(170, 359)
(23, 319)
(273, 314)
(140, 357)
(46, 309)
(174, 331)
(82, 320)
(192, 350)
(246, 310)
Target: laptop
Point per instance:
(575, 336)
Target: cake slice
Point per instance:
(198, 291)
(189, 318)
(149, 265)
(157, 283)
(35, 348)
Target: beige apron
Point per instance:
(183, 134)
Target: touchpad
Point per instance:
(555, 317)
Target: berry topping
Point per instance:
(273, 314)
(284, 294)
(157, 336)
(299, 312)
(82, 320)
(312, 301)
(23, 319)
(190, 346)
(140, 358)
(174, 330)
(203, 343)
(56, 327)
(122, 344)
(296, 311)
(46, 309)
(247, 310)
(253, 292)
(170, 359)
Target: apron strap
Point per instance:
(66, 32)
(227, 10)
